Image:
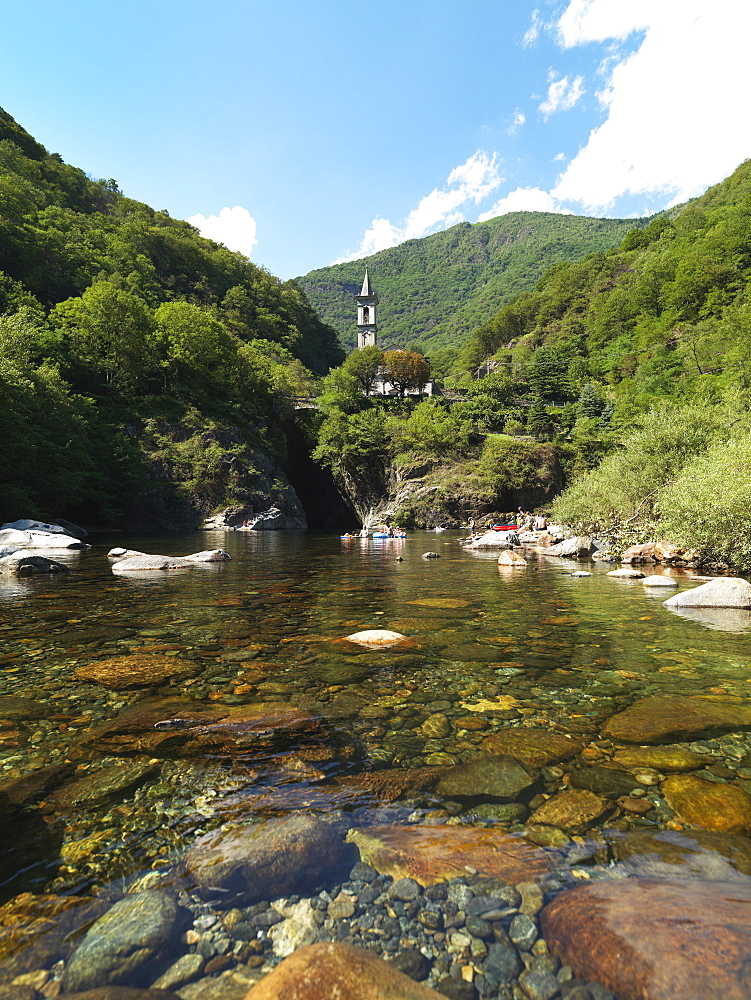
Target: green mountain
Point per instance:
(435, 290)
(147, 375)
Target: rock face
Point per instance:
(122, 672)
(572, 548)
(534, 747)
(267, 859)
(138, 930)
(432, 854)
(671, 718)
(500, 778)
(275, 519)
(724, 592)
(647, 939)
(709, 805)
(573, 811)
(328, 971)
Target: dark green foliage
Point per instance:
(435, 290)
(114, 316)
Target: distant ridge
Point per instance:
(435, 290)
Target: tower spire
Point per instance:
(367, 301)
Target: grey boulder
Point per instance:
(723, 592)
(120, 946)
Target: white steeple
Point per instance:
(367, 301)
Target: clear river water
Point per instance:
(125, 774)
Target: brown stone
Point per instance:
(115, 783)
(651, 939)
(19, 709)
(497, 778)
(670, 718)
(708, 804)
(431, 854)
(121, 672)
(512, 559)
(472, 723)
(573, 811)
(534, 747)
(664, 759)
(268, 858)
(327, 971)
(34, 785)
(698, 853)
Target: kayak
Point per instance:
(385, 534)
(504, 527)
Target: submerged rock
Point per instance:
(661, 758)
(668, 718)
(685, 854)
(327, 971)
(534, 747)
(434, 854)
(723, 592)
(661, 939)
(707, 804)
(499, 777)
(133, 934)
(145, 670)
(573, 811)
(266, 859)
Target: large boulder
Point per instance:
(148, 564)
(494, 540)
(327, 971)
(21, 562)
(572, 548)
(118, 947)
(209, 555)
(34, 538)
(656, 552)
(510, 558)
(657, 939)
(724, 592)
(270, 858)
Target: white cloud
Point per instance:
(529, 199)
(234, 227)
(517, 120)
(533, 31)
(676, 104)
(562, 95)
(467, 184)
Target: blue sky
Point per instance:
(306, 133)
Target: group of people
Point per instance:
(527, 521)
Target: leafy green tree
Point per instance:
(198, 351)
(108, 332)
(364, 365)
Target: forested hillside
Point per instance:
(142, 367)
(435, 290)
(654, 338)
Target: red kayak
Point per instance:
(504, 527)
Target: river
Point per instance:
(126, 779)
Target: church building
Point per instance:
(367, 332)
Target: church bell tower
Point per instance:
(367, 301)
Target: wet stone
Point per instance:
(502, 964)
(404, 889)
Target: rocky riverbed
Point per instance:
(206, 786)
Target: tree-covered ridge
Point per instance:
(145, 372)
(435, 290)
(60, 231)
